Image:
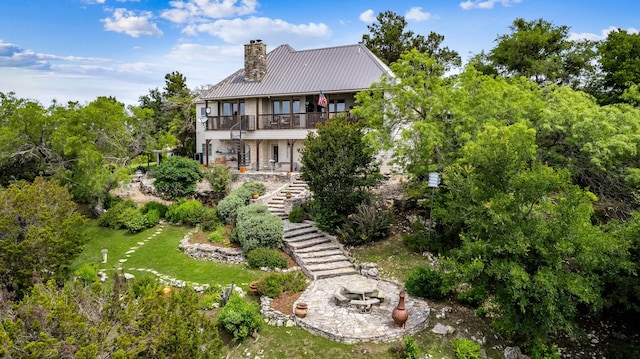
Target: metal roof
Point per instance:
(330, 70)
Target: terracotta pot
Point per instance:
(255, 196)
(242, 169)
(400, 313)
(288, 195)
(301, 310)
(253, 287)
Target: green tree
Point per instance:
(526, 233)
(133, 321)
(177, 177)
(620, 65)
(39, 234)
(339, 168)
(542, 52)
(388, 39)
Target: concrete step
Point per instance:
(329, 266)
(325, 259)
(319, 254)
(308, 243)
(318, 247)
(333, 272)
(303, 237)
(299, 231)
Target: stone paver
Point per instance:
(348, 324)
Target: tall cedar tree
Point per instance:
(340, 168)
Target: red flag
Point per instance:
(322, 101)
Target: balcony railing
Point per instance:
(227, 123)
(295, 121)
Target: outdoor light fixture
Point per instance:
(434, 182)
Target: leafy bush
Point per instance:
(177, 177)
(371, 221)
(135, 221)
(266, 257)
(153, 217)
(186, 212)
(116, 216)
(542, 351)
(240, 318)
(427, 283)
(277, 283)
(418, 239)
(410, 348)
(209, 219)
(255, 187)
(157, 206)
(297, 215)
(228, 208)
(474, 296)
(466, 348)
(218, 235)
(219, 178)
(257, 227)
(87, 273)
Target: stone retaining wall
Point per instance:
(209, 252)
(274, 317)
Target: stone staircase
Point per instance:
(276, 202)
(317, 253)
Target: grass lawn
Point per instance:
(161, 254)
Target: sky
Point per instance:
(77, 50)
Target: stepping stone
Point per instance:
(130, 251)
(141, 243)
(122, 260)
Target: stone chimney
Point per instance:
(255, 61)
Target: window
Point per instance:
(231, 108)
(337, 105)
(208, 152)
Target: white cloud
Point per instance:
(416, 13)
(274, 31)
(595, 37)
(367, 17)
(127, 22)
(199, 10)
(486, 4)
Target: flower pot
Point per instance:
(301, 310)
(253, 287)
(287, 195)
(400, 313)
(242, 169)
(255, 196)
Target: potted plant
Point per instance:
(255, 195)
(287, 195)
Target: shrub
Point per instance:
(185, 212)
(427, 283)
(466, 348)
(541, 351)
(418, 239)
(116, 216)
(135, 221)
(240, 318)
(228, 206)
(277, 283)
(410, 348)
(474, 296)
(257, 227)
(370, 222)
(87, 273)
(157, 206)
(218, 235)
(219, 177)
(209, 219)
(177, 176)
(266, 257)
(297, 215)
(153, 217)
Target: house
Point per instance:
(258, 117)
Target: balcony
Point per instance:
(295, 121)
